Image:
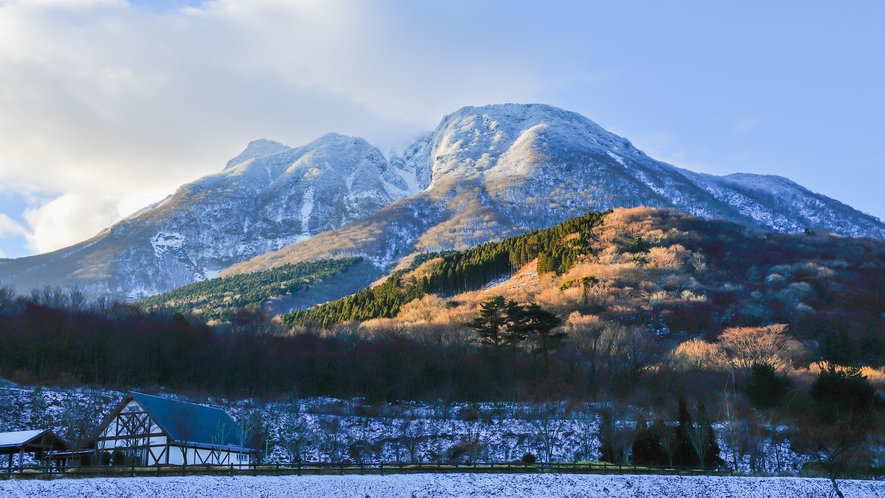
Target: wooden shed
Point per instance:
(40, 443)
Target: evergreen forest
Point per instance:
(221, 298)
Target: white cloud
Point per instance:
(70, 217)
(113, 104)
(8, 227)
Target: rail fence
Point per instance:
(318, 468)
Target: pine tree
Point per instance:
(684, 456)
(494, 325)
(766, 389)
(532, 320)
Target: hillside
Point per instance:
(769, 344)
(221, 298)
(674, 274)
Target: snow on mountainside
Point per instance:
(502, 169)
(483, 174)
(267, 197)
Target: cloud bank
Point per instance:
(115, 105)
(108, 105)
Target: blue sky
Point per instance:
(107, 106)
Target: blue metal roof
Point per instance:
(192, 423)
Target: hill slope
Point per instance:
(661, 270)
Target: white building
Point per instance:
(150, 430)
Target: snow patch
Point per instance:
(616, 158)
(306, 208)
(164, 242)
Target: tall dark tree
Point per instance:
(534, 321)
(684, 454)
(846, 408)
(648, 448)
(766, 388)
(495, 323)
(843, 394)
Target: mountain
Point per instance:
(484, 174)
(267, 197)
(504, 169)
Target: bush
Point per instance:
(529, 459)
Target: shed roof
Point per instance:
(18, 438)
(192, 423)
(31, 440)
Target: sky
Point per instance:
(107, 106)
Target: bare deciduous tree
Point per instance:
(770, 344)
(332, 438)
(547, 420)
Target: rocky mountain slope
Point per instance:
(485, 173)
(267, 197)
(504, 169)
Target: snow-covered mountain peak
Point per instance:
(474, 140)
(267, 197)
(257, 148)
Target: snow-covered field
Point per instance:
(441, 485)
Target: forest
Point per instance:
(662, 315)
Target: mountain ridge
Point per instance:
(543, 165)
(483, 174)
(264, 199)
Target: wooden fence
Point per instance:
(317, 468)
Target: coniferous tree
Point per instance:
(532, 320)
(684, 456)
(648, 448)
(494, 325)
(766, 389)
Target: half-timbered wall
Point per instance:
(207, 456)
(135, 433)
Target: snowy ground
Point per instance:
(441, 485)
